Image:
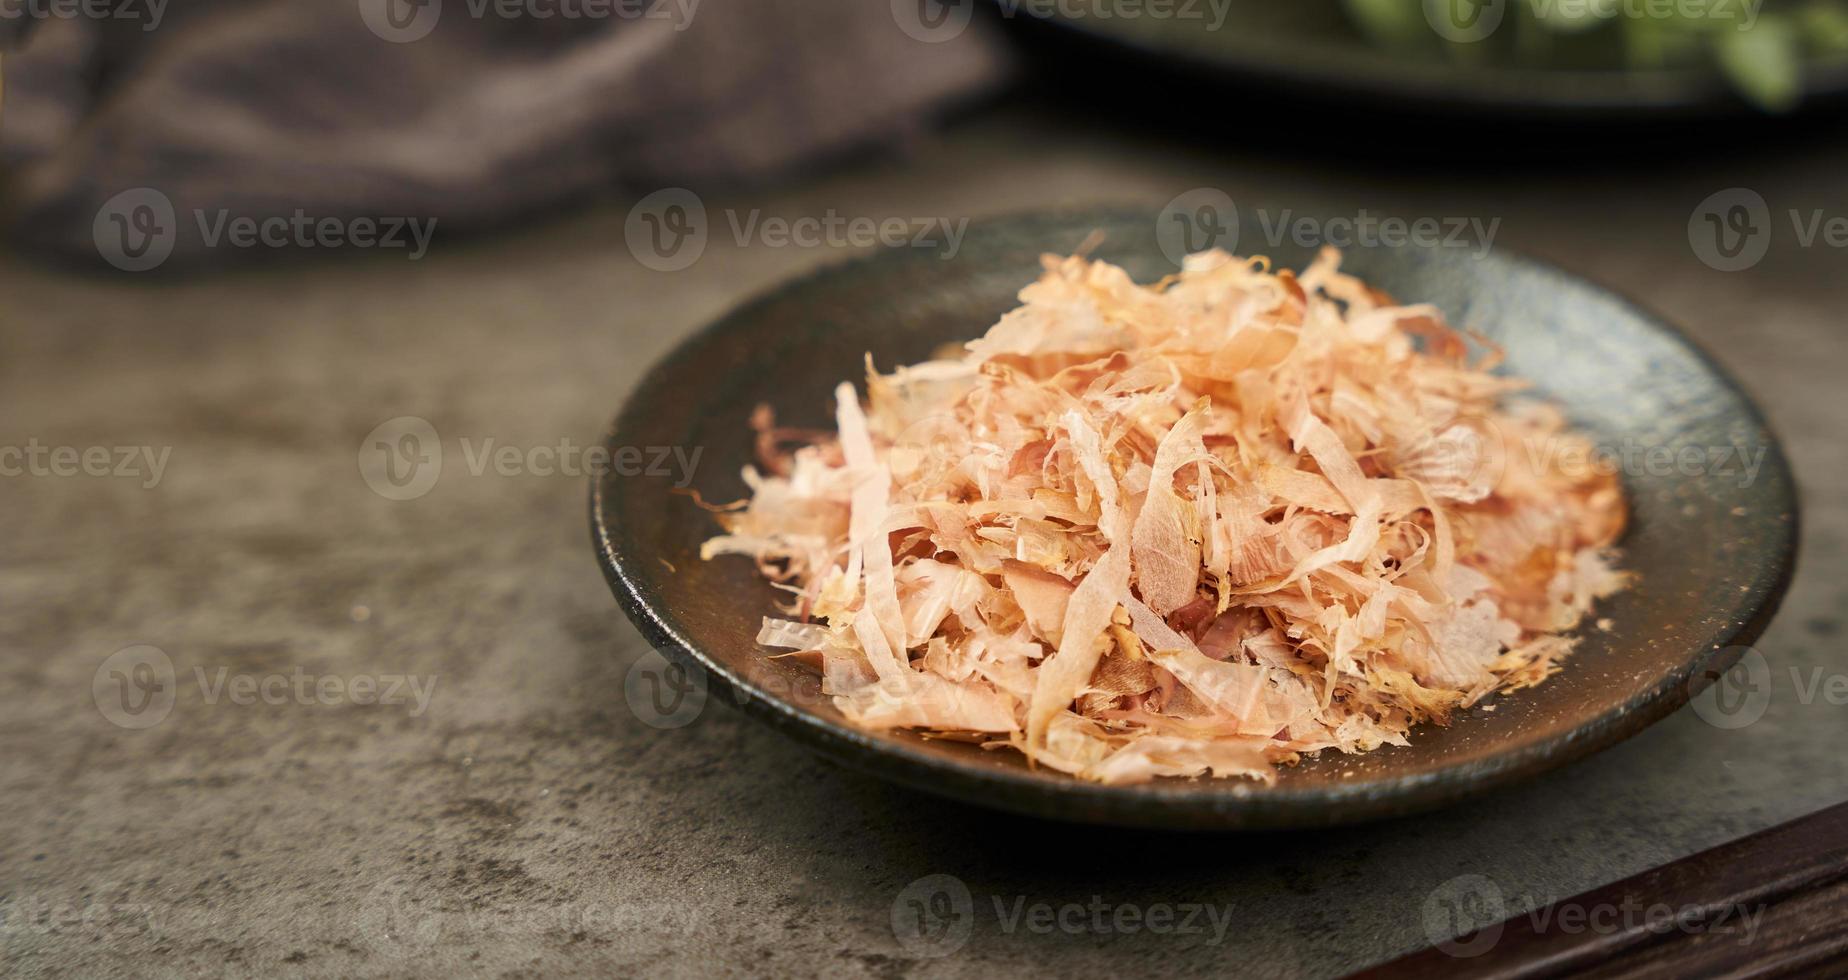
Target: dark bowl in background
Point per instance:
(1301, 76)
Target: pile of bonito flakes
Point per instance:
(1200, 526)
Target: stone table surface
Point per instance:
(503, 812)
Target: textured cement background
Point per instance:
(527, 823)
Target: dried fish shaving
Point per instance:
(1203, 527)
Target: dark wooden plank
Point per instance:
(1770, 904)
(1801, 934)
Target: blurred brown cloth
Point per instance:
(343, 109)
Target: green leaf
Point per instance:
(1763, 63)
(1399, 23)
(1825, 27)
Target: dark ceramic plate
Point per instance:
(1715, 550)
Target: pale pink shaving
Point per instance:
(1197, 528)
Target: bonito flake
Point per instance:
(1199, 527)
